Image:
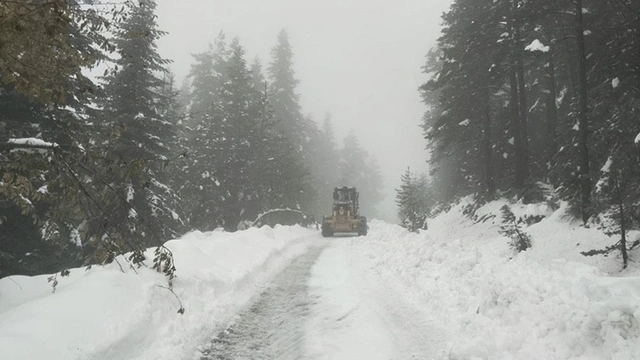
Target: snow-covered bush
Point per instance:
(520, 240)
(414, 201)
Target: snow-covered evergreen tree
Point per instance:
(324, 166)
(414, 201)
(519, 240)
(201, 190)
(141, 123)
(358, 168)
(287, 111)
(257, 76)
(240, 164)
(133, 91)
(283, 95)
(68, 184)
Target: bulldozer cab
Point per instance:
(345, 199)
(345, 217)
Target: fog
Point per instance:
(360, 60)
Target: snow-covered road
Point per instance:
(273, 326)
(329, 304)
(455, 291)
(358, 314)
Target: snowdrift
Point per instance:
(106, 313)
(549, 302)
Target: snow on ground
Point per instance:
(489, 303)
(344, 323)
(356, 314)
(105, 313)
(455, 291)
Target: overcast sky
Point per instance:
(360, 60)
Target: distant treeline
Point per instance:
(93, 169)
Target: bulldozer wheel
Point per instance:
(326, 230)
(362, 226)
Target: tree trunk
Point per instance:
(623, 228)
(515, 131)
(487, 146)
(638, 48)
(518, 101)
(585, 179)
(552, 111)
(522, 100)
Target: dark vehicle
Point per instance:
(345, 217)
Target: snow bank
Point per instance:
(106, 313)
(547, 303)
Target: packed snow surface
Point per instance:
(454, 291)
(361, 313)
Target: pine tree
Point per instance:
(37, 39)
(240, 164)
(257, 76)
(238, 135)
(616, 103)
(142, 128)
(462, 131)
(22, 247)
(413, 202)
(206, 79)
(298, 129)
(69, 182)
(184, 95)
(358, 168)
(620, 198)
(201, 190)
(444, 170)
(324, 166)
(283, 95)
(38, 216)
(510, 228)
(133, 90)
(530, 57)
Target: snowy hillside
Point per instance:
(547, 303)
(455, 291)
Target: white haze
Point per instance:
(360, 60)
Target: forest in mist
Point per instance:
(532, 100)
(94, 166)
(538, 101)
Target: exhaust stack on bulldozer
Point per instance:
(345, 217)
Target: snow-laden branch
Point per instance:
(278, 210)
(29, 145)
(536, 45)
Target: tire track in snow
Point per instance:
(359, 314)
(273, 326)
